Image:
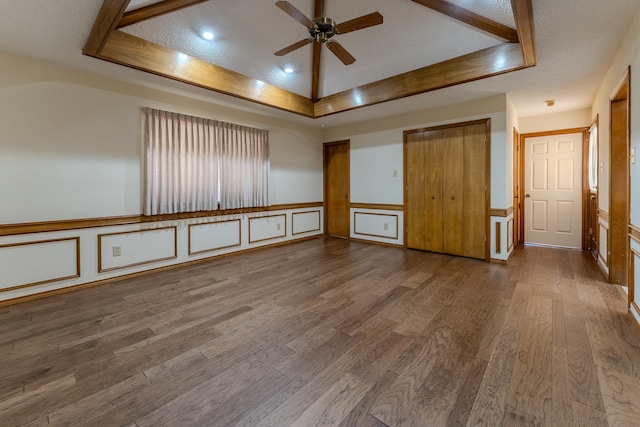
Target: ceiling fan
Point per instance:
(321, 30)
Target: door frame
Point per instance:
(517, 186)
(585, 175)
(325, 182)
(622, 92)
(487, 193)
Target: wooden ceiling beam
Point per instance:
(126, 49)
(523, 14)
(489, 62)
(153, 10)
(110, 14)
(471, 18)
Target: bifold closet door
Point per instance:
(445, 190)
(424, 191)
(474, 212)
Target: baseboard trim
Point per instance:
(393, 245)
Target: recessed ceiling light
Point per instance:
(288, 69)
(207, 35)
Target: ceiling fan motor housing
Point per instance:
(323, 29)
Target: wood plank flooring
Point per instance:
(329, 332)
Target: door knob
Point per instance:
(527, 195)
(433, 197)
(453, 197)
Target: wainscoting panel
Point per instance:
(215, 235)
(267, 228)
(634, 280)
(131, 248)
(305, 222)
(501, 234)
(375, 225)
(603, 246)
(382, 226)
(510, 235)
(38, 262)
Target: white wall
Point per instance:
(71, 144)
(556, 121)
(376, 168)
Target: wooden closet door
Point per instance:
(453, 191)
(424, 191)
(432, 190)
(415, 197)
(475, 192)
(446, 197)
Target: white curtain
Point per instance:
(186, 166)
(244, 169)
(593, 158)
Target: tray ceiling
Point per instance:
(421, 46)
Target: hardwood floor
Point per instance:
(329, 332)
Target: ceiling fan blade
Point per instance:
(291, 48)
(315, 77)
(340, 52)
(291, 10)
(359, 23)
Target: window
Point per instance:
(194, 164)
(593, 157)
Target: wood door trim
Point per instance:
(621, 93)
(585, 182)
(517, 184)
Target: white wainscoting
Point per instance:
(268, 227)
(603, 245)
(377, 225)
(305, 222)
(136, 248)
(32, 263)
(502, 229)
(215, 235)
(634, 254)
(50, 261)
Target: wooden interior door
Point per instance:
(619, 187)
(336, 189)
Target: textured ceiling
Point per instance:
(576, 42)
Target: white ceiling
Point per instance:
(576, 40)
